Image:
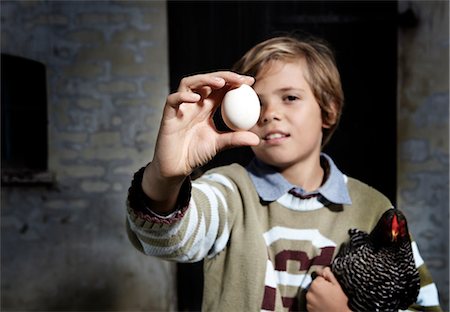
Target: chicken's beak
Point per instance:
(394, 235)
(394, 228)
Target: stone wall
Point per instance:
(423, 133)
(65, 248)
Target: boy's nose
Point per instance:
(269, 113)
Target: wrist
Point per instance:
(157, 212)
(157, 187)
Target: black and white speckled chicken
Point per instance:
(377, 270)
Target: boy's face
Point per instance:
(290, 124)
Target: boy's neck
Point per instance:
(308, 175)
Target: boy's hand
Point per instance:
(187, 137)
(325, 293)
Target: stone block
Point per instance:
(84, 70)
(86, 37)
(101, 139)
(97, 18)
(89, 103)
(94, 186)
(83, 171)
(106, 153)
(117, 87)
(48, 19)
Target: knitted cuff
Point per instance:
(141, 204)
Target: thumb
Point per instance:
(238, 138)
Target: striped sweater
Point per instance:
(258, 255)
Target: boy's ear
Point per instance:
(330, 116)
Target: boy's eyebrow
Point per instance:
(290, 89)
(283, 90)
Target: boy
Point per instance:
(261, 230)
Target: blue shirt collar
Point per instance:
(271, 185)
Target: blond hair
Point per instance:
(322, 73)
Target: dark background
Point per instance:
(211, 35)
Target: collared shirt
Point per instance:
(271, 185)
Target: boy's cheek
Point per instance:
(255, 130)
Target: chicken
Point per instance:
(377, 270)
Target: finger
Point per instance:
(198, 81)
(319, 279)
(329, 276)
(204, 91)
(214, 80)
(309, 301)
(176, 99)
(319, 271)
(235, 79)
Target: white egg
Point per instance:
(241, 108)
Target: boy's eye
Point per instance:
(291, 98)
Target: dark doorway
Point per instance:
(212, 35)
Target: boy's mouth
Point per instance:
(275, 136)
